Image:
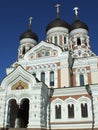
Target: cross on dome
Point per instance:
(30, 20)
(57, 10)
(30, 23)
(76, 11)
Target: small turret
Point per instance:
(28, 39)
(77, 23)
(57, 30)
(79, 39)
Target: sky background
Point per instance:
(14, 15)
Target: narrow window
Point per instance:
(12, 113)
(51, 78)
(84, 110)
(86, 43)
(23, 50)
(78, 41)
(55, 40)
(43, 77)
(64, 40)
(70, 111)
(81, 79)
(58, 111)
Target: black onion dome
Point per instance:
(29, 34)
(78, 24)
(57, 23)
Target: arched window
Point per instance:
(64, 40)
(51, 78)
(70, 111)
(78, 41)
(86, 43)
(12, 113)
(81, 79)
(23, 50)
(55, 40)
(23, 114)
(84, 110)
(43, 77)
(58, 111)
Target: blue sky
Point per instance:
(14, 15)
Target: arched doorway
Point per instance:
(23, 114)
(12, 113)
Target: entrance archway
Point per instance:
(23, 113)
(12, 113)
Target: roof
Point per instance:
(57, 23)
(29, 34)
(78, 24)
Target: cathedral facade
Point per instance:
(54, 83)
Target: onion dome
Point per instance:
(29, 34)
(77, 23)
(57, 23)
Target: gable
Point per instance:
(43, 50)
(18, 79)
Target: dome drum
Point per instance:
(79, 31)
(57, 29)
(28, 40)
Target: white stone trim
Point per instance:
(57, 29)
(79, 30)
(28, 40)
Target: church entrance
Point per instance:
(18, 115)
(12, 113)
(23, 114)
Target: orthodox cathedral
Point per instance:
(53, 85)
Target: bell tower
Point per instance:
(79, 38)
(28, 40)
(57, 31)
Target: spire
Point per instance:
(76, 12)
(57, 10)
(30, 23)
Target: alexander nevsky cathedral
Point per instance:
(53, 84)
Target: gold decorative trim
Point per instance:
(19, 85)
